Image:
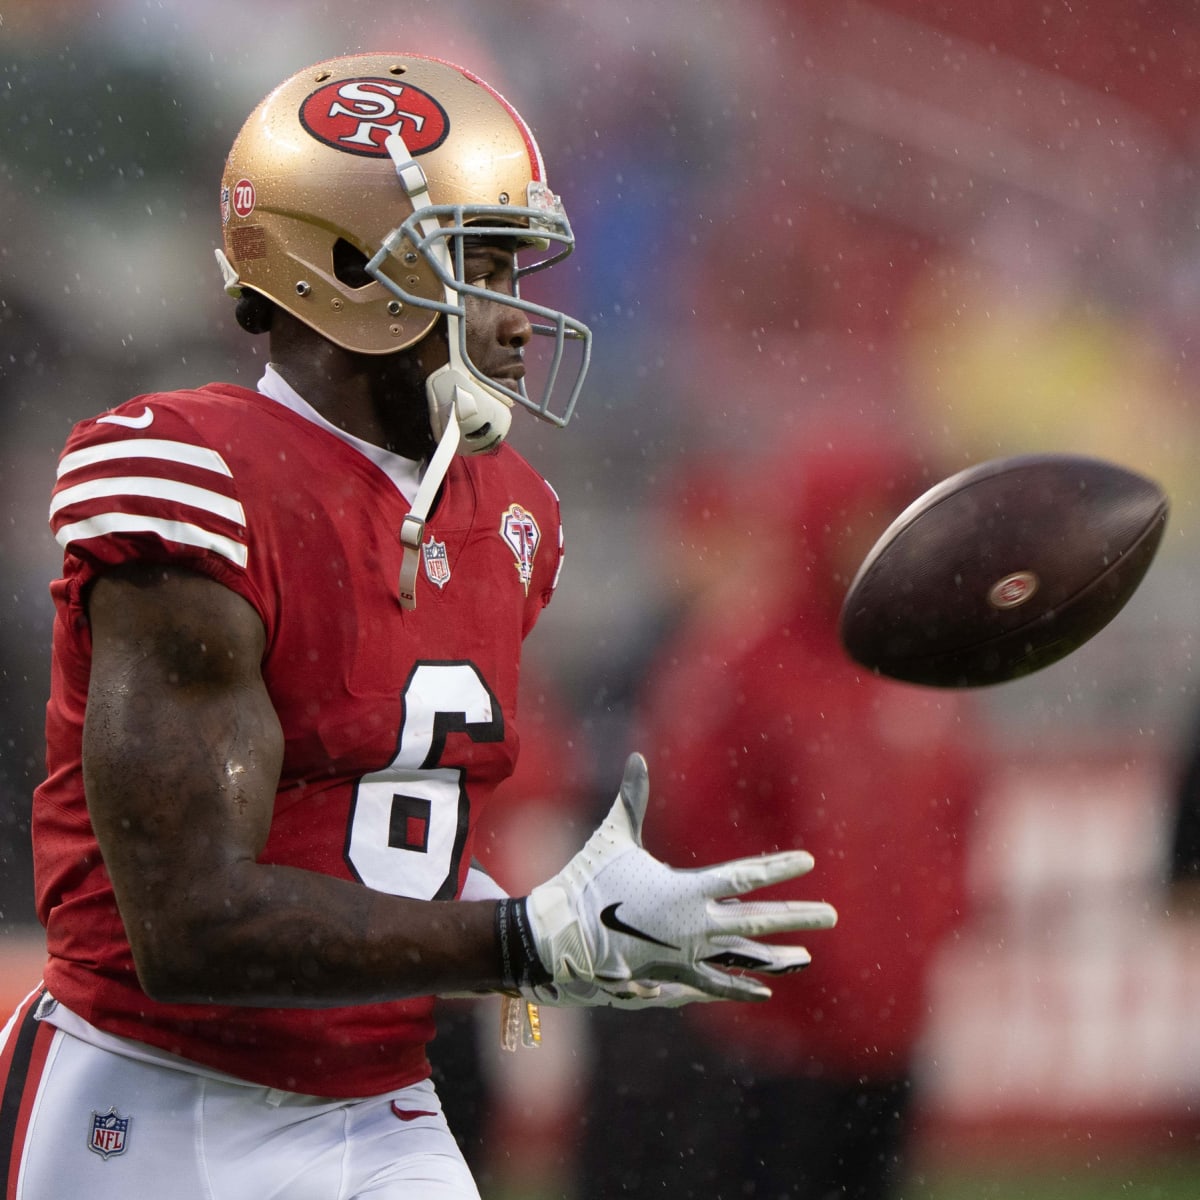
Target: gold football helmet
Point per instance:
(345, 200)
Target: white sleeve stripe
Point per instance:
(177, 452)
(157, 489)
(172, 531)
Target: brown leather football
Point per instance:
(1002, 569)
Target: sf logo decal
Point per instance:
(357, 115)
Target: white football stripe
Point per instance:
(157, 489)
(173, 531)
(177, 452)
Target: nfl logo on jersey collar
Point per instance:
(109, 1133)
(437, 562)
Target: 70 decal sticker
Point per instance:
(237, 200)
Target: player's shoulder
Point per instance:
(194, 435)
(157, 477)
(194, 414)
(506, 472)
(513, 499)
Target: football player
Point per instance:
(284, 674)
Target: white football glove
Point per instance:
(616, 925)
(581, 993)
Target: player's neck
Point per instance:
(383, 406)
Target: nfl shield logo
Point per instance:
(109, 1133)
(437, 563)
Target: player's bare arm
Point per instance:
(176, 664)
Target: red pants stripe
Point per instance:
(22, 1059)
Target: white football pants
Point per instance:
(80, 1119)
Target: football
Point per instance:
(1002, 569)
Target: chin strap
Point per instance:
(412, 528)
(230, 279)
(466, 415)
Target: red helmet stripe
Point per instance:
(537, 169)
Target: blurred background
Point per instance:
(970, 230)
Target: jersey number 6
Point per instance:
(408, 822)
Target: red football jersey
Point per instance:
(398, 724)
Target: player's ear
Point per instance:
(254, 312)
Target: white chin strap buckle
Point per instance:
(483, 419)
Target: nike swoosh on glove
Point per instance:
(617, 918)
(580, 993)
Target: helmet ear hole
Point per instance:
(350, 265)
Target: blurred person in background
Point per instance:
(778, 738)
(284, 687)
(1182, 868)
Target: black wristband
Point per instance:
(520, 965)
